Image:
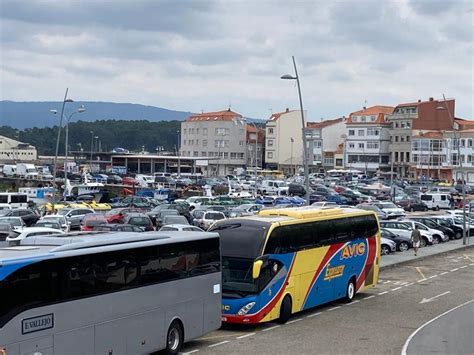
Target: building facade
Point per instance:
(368, 140)
(12, 151)
(255, 147)
(218, 138)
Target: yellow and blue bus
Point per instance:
(284, 261)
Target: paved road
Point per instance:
(379, 321)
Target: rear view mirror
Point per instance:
(257, 267)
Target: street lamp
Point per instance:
(291, 155)
(458, 140)
(81, 109)
(57, 145)
(303, 130)
(178, 153)
(92, 147)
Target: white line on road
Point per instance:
(426, 300)
(221, 343)
(333, 308)
(294, 321)
(462, 267)
(421, 280)
(395, 289)
(472, 264)
(245, 336)
(432, 277)
(411, 283)
(313, 315)
(387, 282)
(397, 283)
(353, 302)
(190, 352)
(404, 283)
(405, 346)
(271, 328)
(368, 298)
(456, 269)
(383, 293)
(444, 273)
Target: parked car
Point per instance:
(49, 224)
(390, 209)
(367, 207)
(74, 216)
(158, 220)
(438, 236)
(128, 180)
(455, 222)
(247, 209)
(92, 220)
(16, 222)
(180, 227)
(5, 230)
(28, 216)
(402, 242)
(387, 246)
(56, 218)
(412, 205)
(140, 220)
(338, 199)
(431, 223)
(116, 215)
(436, 200)
(114, 179)
(116, 227)
(17, 236)
(296, 190)
(324, 204)
(204, 219)
(405, 229)
(170, 219)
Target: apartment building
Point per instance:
(368, 139)
(323, 140)
(255, 146)
(219, 138)
(12, 150)
(413, 119)
(283, 141)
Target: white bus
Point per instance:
(13, 200)
(110, 293)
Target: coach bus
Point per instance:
(109, 293)
(288, 260)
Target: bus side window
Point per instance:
(323, 233)
(279, 241)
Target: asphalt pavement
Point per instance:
(378, 321)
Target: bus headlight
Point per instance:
(244, 310)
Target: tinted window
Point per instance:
(19, 199)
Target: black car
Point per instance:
(403, 243)
(5, 231)
(412, 205)
(117, 228)
(28, 216)
(452, 231)
(296, 190)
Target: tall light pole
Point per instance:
(458, 140)
(92, 147)
(66, 148)
(57, 146)
(303, 130)
(178, 153)
(291, 155)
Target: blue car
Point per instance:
(340, 200)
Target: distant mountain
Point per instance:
(23, 115)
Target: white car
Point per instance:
(17, 236)
(179, 228)
(390, 209)
(204, 219)
(17, 223)
(195, 201)
(387, 246)
(437, 235)
(404, 229)
(57, 218)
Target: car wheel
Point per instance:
(285, 310)
(174, 338)
(437, 239)
(423, 242)
(385, 249)
(350, 290)
(437, 208)
(403, 246)
(412, 209)
(458, 235)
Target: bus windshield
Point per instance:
(237, 276)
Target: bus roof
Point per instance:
(312, 212)
(49, 246)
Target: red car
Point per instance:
(117, 215)
(92, 220)
(128, 180)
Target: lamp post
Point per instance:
(291, 155)
(66, 148)
(178, 153)
(92, 147)
(303, 130)
(457, 138)
(57, 146)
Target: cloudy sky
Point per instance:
(204, 55)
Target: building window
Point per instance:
(408, 157)
(211, 154)
(360, 132)
(270, 155)
(270, 142)
(226, 155)
(462, 143)
(362, 118)
(372, 145)
(402, 139)
(241, 143)
(204, 142)
(351, 132)
(184, 142)
(372, 118)
(373, 132)
(361, 145)
(397, 125)
(196, 154)
(204, 131)
(197, 141)
(184, 131)
(203, 154)
(396, 138)
(408, 138)
(351, 145)
(270, 130)
(402, 124)
(396, 156)
(408, 124)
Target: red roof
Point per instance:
(226, 115)
(379, 111)
(276, 116)
(325, 123)
(432, 134)
(464, 124)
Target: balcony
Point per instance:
(402, 116)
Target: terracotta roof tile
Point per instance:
(275, 116)
(226, 115)
(379, 111)
(324, 123)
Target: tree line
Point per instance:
(131, 135)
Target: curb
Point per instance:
(391, 266)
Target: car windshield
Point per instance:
(386, 205)
(12, 221)
(63, 211)
(175, 220)
(214, 216)
(48, 224)
(142, 221)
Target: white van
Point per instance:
(273, 187)
(436, 200)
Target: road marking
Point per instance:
(421, 273)
(472, 264)
(190, 352)
(405, 346)
(294, 321)
(368, 298)
(432, 277)
(397, 283)
(444, 273)
(404, 283)
(426, 300)
(271, 328)
(411, 283)
(462, 267)
(245, 336)
(387, 282)
(313, 315)
(383, 293)
(333, 308)
(396, 288)
(221, 343)
(421, 280)
(456, 269)
(353, 302)
(468, 257)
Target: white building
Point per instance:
(12, 150)
(283, 141)
(368, 139)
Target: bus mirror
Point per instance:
(257, 266)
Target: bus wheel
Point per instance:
(350, 291)
(285, 310)
(174, 338)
